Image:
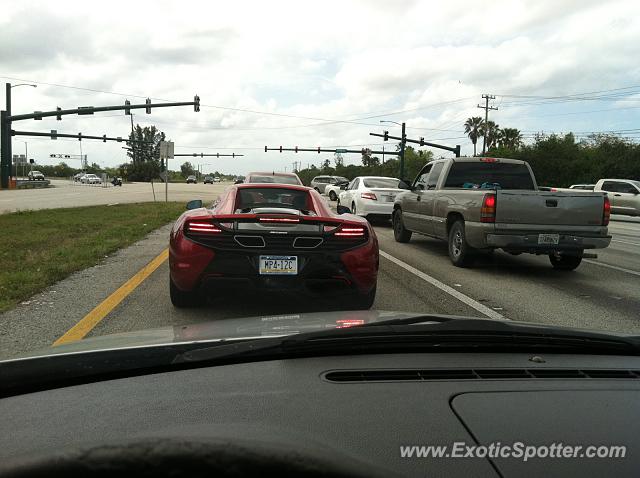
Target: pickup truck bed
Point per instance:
(487, 203)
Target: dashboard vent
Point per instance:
(421, 375)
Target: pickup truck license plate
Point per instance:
(278, 265)
(548, 238)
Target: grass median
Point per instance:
(39, 248)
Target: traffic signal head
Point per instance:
(233, 155)
(318, 149)
(58, 116)
(127, 111)
(265, 149)
(386, 136)
(281, 149)
(296, 149)
(148, 108)
(104, 138)
(52, 155)
(196, 105)
(421, 141)
(217, 155)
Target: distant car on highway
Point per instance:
(208, 180)
(273, 177)
(192, 179)
(333, 190)
(90, 179)
(371, 196)
(77, 177)
(623, 193)
(216, 179)
(493, 203)
(319, 183)
(275, 237)
(35, 176)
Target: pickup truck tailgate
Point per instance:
(549, 208)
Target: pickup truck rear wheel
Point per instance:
(400, 233)
(564, 263)
(460, 253)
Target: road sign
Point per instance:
(341, 150)
(166, 149)
(19, 159)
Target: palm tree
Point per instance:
(472, 128)
(510, 138)
(490, 131)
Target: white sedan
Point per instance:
(371, 195)
(90, 179)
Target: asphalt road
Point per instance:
(66, 193)
(602, 293)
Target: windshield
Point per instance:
(174, 164)
(248, 199)
(381, 182)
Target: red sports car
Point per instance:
(274, 237)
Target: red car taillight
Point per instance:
(368, 196)
(202, 227)
(606, 212)
(354, 232)
(488, 209)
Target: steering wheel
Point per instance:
(168, 457)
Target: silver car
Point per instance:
(319, 183)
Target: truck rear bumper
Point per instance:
(529, 242)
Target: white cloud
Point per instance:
(328, 60)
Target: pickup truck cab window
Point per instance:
(619, 187)
(473, 175)
(432, 180)
(421, 180)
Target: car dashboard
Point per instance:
(358, 408)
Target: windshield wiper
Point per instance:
(422, 333)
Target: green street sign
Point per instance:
(341, 150)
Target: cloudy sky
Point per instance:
(320, 73)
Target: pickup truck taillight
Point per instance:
(606, 211)
(488, 209)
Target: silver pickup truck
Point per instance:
(482, 204)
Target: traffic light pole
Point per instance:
(6, 119)
(403, 142)
(455, 150)
(214, 155)
(324, 150)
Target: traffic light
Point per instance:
(148, 108)
(296, 149)
(196, 106)
(52, 155)
(58, 116)
(386, 136)
(281, 149)
(421, 141)
(127, 111)
(265, 149)
(318, 149)
(217, 155)
(104, 138)
(79, 136)
(233, 155)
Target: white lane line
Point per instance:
(621, 269)
(626, 242)
(483, 309)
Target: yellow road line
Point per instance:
(93, 318)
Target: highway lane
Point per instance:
(67, 193)
(524, 288)
(601, 294)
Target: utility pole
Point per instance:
(403, 142)
(486, 109)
